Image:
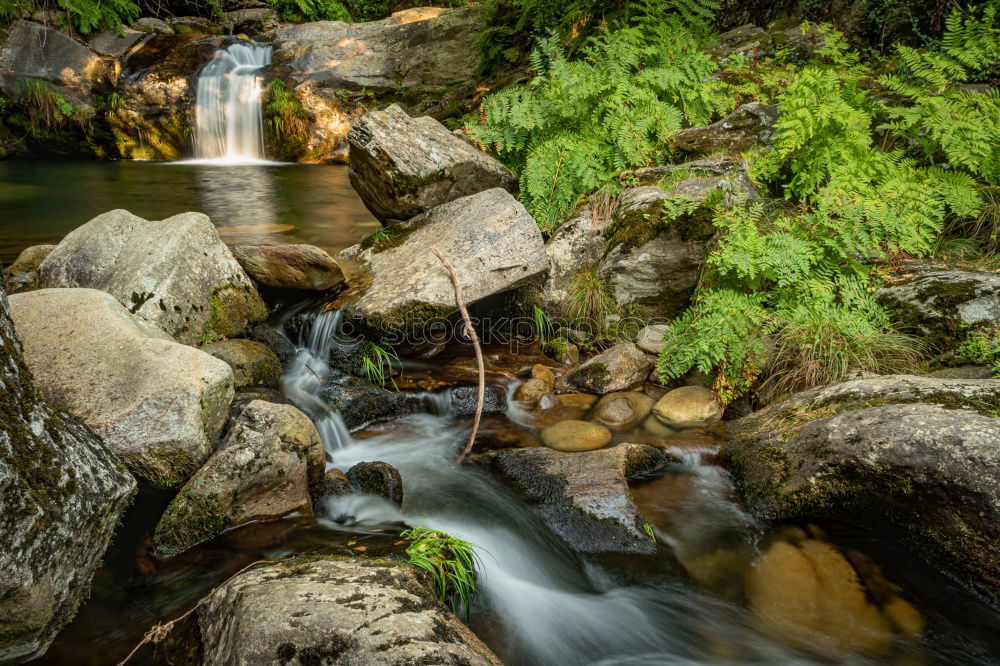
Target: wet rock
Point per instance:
(62, 493)
(563, 351)
(334, 484)
(247, 395)
(530, 392)
(148, 24)
(331, 610)
(940, 303)
(276, 342)
(159, 405)
(253, 364)
(621, 411)
(577, 243)
(492, 241)
(361, 404)
(22, 275)
(584, 497)
(578, 400)
(964, 372)
(654, 427)
(539, 371)
(262, 471)
(289, 266)
(574, 436)
(377, 478)
(927, 471)
(809, 595)
(747, 126)
(194, 24)
(650, 338)
(620, 368)
(402, 166)
(33, 51)
(174, 273)
(688, 407)
(464, 399)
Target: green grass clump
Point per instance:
(451, 562)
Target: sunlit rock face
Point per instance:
(62, 494)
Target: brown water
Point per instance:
(41, 201)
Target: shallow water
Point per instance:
(42, 201)
(698, 601)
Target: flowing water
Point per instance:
(229, 123)
(539, 603)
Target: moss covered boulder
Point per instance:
(747, 126)
(175, 273)
(262, 471)
(253, 363)
(330, 610)
(159, 405)
(62, 494)
(620, 368)
(930, 471)
(402, 166)
(942, 304)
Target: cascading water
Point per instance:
(229, 125)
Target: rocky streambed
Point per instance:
(282, 415)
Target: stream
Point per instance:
(539, 602)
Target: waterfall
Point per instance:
(229, 125)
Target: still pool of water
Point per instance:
(40, 202)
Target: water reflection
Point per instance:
(40, 202)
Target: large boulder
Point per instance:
(35, 52)
(940, 304)
(403, 166)
(377, 478)
(175, 273)
(159, 405)
(747, 126)
(584, 497)
(115, 43)
(620, 368)
(157, 87)
(262, 471)
(331, 610)
(334, 69)
(492, 241)
(22, 275)
(252, 362)
(575, 245)
(62, 494)
(929, 471)
(290, 266)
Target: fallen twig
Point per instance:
(158, 632)
(470, 333)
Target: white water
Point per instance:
(538, 603)
(229, 122)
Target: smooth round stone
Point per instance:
(650, 338)
(578, 400)
(575, 436)
(653, 426)
(621, 410)
(688, 407)
(539, 371)
(530, 392)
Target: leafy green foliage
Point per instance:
(47, 109)
(311, 10)
(802, 276)
(580, 122)
(282, 109)
(83, 15)
(981, 346)
(451, 562)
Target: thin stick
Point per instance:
(158, 632)
(470, 333)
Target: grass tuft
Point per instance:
(451, 562)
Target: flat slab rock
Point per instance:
(585, 497)
(930, 470)
(492, 241)
(331, 610)
(62, 494)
